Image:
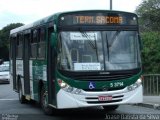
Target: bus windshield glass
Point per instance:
(98, 50)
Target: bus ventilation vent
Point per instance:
(99, 102)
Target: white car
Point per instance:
(4, 73)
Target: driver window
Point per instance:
(74, 55)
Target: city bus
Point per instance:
(78, 59)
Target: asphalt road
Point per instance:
(11, 109)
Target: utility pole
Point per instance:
(110, 4)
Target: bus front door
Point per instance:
(51, 70)
(13, 62)
(26, 64)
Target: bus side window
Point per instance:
(12, 43)
(42, 43)
(33, 43)
(19, 45)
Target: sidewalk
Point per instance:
(151, 102)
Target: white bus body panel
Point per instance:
(69, 100)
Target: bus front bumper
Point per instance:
(90, 99)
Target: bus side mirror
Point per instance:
(53, 40)
(54, 43)
(140, 42)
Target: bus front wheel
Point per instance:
(43, 101)
(110, 108)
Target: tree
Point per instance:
(149, 19)
(4, 40)
(151, 52)
(149, 15)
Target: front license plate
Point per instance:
(105, 98)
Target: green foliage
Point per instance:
(149, 15)
(151, 52)
(4, 40)
(149, 19)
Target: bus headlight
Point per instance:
(77, 91)
(69, 89)
(65, 86)
(135, 85)
(62, 84)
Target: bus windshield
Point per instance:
(98, 50)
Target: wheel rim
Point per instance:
(20, 93)
(44, 100)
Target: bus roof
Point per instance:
(32, 25)
(54, 17)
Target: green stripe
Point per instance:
(98, 84)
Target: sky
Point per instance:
(28, 11)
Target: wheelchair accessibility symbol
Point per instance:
(92, 85)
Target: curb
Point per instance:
(149, 105)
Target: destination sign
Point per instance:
(104, 18)
(98, 19)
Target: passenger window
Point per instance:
(34, 44)
(19, 45)
(42, 44)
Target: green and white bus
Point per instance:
(78, 59)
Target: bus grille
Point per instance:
(98, 102)
(94, 100)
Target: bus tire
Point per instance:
(110, 108)
(20, 93)
(43, 101)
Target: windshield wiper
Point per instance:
(111, 42)
(114, 38)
